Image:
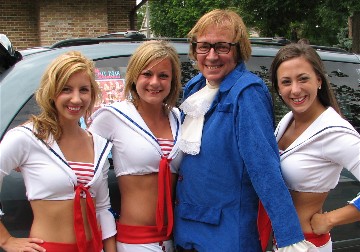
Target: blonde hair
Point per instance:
(53, 81)
(225, 19)
(142, 57)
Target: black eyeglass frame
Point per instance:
(194, 44)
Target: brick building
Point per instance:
(31, 23)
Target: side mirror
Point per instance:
(8, 56)
(6, 44)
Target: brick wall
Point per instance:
(118, 15)
(19, 21)
(44, 22)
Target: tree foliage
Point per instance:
(322, 22)
(175, 18)
(319, 21)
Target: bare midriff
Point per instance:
(139, 199)
(307, 204)
(54, 220)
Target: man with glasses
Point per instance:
(219, 47)
(231, 157)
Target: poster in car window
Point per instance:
(111, 83)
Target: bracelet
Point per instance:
(1, 213)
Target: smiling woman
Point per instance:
(315, 142)
(17, 103)
(299, 85)
(145, 129)
(75, 98)
(53, 154)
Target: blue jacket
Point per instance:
(218, 190)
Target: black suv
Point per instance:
(20, 74)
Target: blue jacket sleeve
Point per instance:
(257, 145)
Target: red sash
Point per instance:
(164, 196)
(79, 222)
(140, 234)
(68, 247)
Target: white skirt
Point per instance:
(148, 247)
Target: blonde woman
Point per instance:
(64, 167)
(145, 129)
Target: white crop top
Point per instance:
(136, 150)
(46, 174)
(313, 162)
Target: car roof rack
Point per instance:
(281, 41)
(107, 38)
(133, 36)
(329, 48)
(87, 41)
(127, 34)
(269, 41)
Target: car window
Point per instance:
(28, 109)
(110, 75)
(344, 78)
(261, 66)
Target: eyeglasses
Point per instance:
(219, 47)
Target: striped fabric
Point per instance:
(84, 171)
(166, 146)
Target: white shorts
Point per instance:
(148, 247)
(324, 248)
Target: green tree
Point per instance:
(356, 32)
(322, 22)
(275, 17)
(175, 18)
(140, 16)
(319, 21)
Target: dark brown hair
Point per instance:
(325, 94)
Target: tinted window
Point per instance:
(110, 74)
(344, 78)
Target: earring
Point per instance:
(319, 87)
(279, 94)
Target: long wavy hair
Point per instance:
(52, 83)
(146, 53)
